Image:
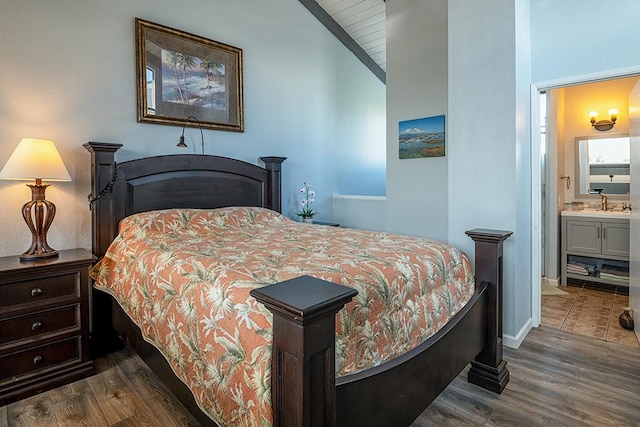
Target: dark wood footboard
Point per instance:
(395, 393)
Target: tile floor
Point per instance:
(589, 310)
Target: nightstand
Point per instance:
(44, 323)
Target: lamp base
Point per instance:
(38, 214)
(35, 257)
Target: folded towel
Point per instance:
(581, 269)
(614, 277)
(581, 272)
(615, 270)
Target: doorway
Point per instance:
(564, 115)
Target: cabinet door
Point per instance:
(583, 236)
(615, 239)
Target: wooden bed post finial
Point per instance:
(489, 370)
(273, 165)
(303, 376)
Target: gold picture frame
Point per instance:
(180, 75)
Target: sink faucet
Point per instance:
(626, 206)
(603, 201)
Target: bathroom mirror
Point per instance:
(602, 164)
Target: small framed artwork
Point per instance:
(181, 75)
(421, 138)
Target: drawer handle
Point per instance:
(37, 360)
(36, 326)
(36, 292)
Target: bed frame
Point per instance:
(304, 390)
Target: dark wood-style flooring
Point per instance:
(557, 379)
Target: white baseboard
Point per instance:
(552, 282)
(514, 342)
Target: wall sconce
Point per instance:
(37, 159)
(603, 125)
(182, 144)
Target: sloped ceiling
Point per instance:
(360, 25)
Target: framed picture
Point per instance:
(181, 75)
(421, 137)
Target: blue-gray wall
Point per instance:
(68, 74)
(571, 38)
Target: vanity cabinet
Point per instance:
(597, 241)
(596, 237)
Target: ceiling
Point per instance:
(360, 25)
(364, 21)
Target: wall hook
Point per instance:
(568, 178)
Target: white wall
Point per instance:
(417, 189)
(364, 212)
(417, 196)
(67, 74)
(479, 52)
(525, 226)
(580, 37)
(489, 172)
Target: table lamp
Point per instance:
(37, 159)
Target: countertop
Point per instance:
(592, 213)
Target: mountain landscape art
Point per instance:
(421, 138)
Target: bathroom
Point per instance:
(586, 207)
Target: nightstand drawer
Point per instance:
(38, 324)
(40, 290)
(35, 359)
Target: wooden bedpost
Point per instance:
(103, 337)
(101, 203)
(489, 370)
(303, 392)
(273, 165)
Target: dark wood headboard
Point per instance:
(173, 181)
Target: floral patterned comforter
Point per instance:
(184, 277)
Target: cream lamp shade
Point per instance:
(35, 159)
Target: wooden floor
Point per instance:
(557, 379)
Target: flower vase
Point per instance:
(626, 320)
(308, 220)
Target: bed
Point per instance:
(304, 389)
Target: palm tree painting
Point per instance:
(421, 137)
(190, 80)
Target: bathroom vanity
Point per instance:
(595, 246)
